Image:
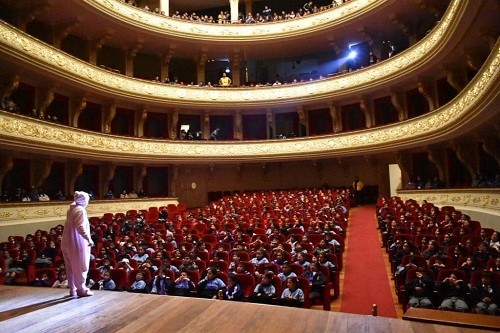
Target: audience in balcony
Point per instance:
(224, 17)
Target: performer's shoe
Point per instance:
(72, 293)
(85, 293)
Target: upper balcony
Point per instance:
(422, 60)
(330, 31)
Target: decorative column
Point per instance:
(201, 64)
(78, 104)
(29, 14)
(238, 126)
(140, 172)
(40, 171)
(473, 60)
(107, 173)
(303, 122)
(165, 7)
(10, 84)
(455, 78)
(235, 64)
(95, 46)
(491, 147)
(165, 64)
(140, 118)
(248, 7)
(174, 178)
(61, 32)
(129, 58)
(336, 117)
(428, 90)
(367, 108)
(468, 154)
(109, 112)
(403, 159)
(43, 98)
(398, 101)
(74, 170)
(173, 124)
(234, 10)
(6, 164)
(438, 157)
(206, 125)
(270, 124)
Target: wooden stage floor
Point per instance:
(30, 309)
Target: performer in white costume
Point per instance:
(76, 244)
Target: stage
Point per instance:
(35, 309)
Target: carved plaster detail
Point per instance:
(214, 32)
(14, 42)
(468, 104)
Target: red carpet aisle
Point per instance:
(365, 280)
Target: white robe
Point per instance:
(75, 246)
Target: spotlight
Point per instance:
(228, 70)
(352, 54)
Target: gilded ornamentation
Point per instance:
(469, 103)
(5, 215)
(42, 55)
(249, 32)
(41, 212)
(14, 213)
(481, 200)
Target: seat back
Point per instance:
(119, 276)
(247, 282)
(51, 274)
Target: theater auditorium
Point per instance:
(252, 165)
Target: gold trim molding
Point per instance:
(20, 213)
(33, 53)
(471, 104)
(231, 32)
(481, 200)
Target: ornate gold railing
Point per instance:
(34, 54)
(476, 199)
(327, 19)
(472, 106)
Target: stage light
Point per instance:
(228, 70)
(352, 55)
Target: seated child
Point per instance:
(233, 291)
(265, 291)
(139, 285)
(210, 285)
(62, 280)
(241, 269)
(183, 285)
(316, 279)
(486, 295)
(236, 258)
(107, 282)
(162, 285)
(105, 267)
(286, 272)
(293, 295)
(43, 281)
